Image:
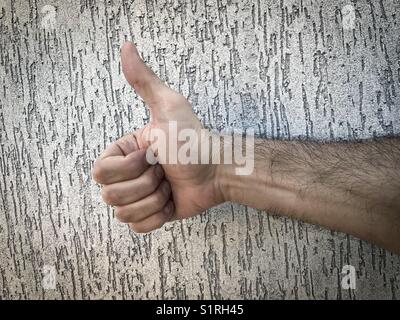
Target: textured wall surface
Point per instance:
(287, 68)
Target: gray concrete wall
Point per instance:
(287, 68)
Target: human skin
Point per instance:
(349, 187)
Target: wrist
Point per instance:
(243, 189)
(225, 181)
(254, 187)
(244, 177)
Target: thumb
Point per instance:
(140, 76)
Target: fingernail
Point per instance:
(151, 158)
(159, 172)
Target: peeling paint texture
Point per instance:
(286, 68)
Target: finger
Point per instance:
(122, 147)
(155, 221)
(118, 156)
(120, 168)
(140, 76)
(139, 210)
(123, 193)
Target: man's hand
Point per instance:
(350, 187)
(146, 196)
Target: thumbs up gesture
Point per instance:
(147, 195)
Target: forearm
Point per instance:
(350, 187)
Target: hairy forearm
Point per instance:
(350, 187)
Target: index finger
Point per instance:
(121, 161)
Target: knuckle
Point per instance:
(159, 224)
(139, 228)
(142, 227)
(122, 214)
(98, 172)
(110, 196)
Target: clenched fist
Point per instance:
(144, 195)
